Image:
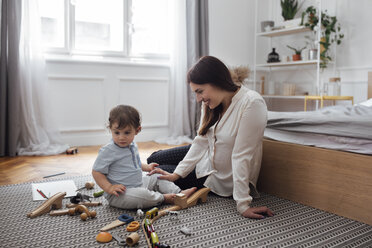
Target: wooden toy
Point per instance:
(122, 219)
(72, 150)
(132, 239)
(88, 185)
(133, 226)
(147, 227)
(152, 213)
(181, 200)
(85, 213)
(104, 237)
(88, 204)
(54, 202)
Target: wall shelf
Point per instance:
(292, 63)
(284, 97)
(285, 31)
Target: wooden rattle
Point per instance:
(133, 226)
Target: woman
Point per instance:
(226, 153)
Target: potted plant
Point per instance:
(330, 31)
(297, 55)
(289, 11)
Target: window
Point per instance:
(130, 28)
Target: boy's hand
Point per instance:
(152, 166)
(116, 189)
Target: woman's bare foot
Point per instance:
(169, 198)
(188, 192)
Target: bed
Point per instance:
(321, 159)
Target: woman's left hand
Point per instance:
(257, 212)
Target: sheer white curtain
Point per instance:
(179, 124)
(39, 134)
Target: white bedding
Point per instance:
(347, 128)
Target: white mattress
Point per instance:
(346, 128)
(357, 145)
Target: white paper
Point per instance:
(52, 188)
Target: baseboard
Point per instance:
(93, 138)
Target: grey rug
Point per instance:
(215, 223)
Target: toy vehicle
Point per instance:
(72, 150)
(152, 213)
(154, 239)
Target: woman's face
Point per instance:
(209, 94)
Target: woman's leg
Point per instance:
(169, 156)
(169, 159)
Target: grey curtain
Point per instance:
(9, 76)
(197, 46)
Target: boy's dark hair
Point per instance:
(124, 116)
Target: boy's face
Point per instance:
(125, 136)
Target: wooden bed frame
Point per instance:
(334, 181)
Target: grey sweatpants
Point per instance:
(149, 195)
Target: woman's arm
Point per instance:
(246, 156)
(102, 181)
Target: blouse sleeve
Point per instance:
(197, 150)
(247, 151)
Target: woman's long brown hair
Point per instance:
(210, 70)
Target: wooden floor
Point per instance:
(22, 169)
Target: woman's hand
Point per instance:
(257, 213)
(116, 189)
(165, 175)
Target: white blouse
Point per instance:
(231, 151)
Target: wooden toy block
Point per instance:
(54, 202)
(181, 200)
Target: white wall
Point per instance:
(232, 40)
(82, 94)
(231, 25)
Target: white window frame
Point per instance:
(69, 41)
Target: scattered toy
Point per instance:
(186, 230)
(122, 219)
(133, 226)
(54, 202)
(140, 213)
(181, 200)
(104, 237)
(152, 213)
(121, 241)
(85, 213)
(72, 150)
(98, 194)
(132, 239)
(80, 198)
(88, 185)
(88, 204)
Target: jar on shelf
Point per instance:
(333, 87)
(273, 57)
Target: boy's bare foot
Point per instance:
(188, 192)
(169, 198)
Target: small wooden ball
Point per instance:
(71, 211)
(84, 216)
(93, 213)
